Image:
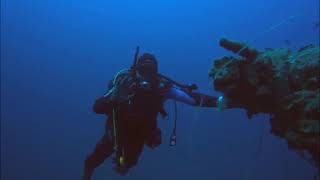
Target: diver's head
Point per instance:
(147, 71)
(147, 65)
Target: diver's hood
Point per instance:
(147, 65)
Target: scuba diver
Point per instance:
(132, 103)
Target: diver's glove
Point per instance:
(221, 103)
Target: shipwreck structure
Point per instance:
(282, 83)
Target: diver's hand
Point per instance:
(221, 103)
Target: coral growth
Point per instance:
(282, 83)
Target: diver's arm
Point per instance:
(103, 105)
(203, 100)
(179, 95)
(195, 99)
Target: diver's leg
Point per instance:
(131, 154)
(103, 150)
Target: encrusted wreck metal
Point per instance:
(280, 82)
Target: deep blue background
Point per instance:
(57, 56)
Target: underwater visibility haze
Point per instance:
(57, 58)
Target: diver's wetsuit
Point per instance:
(135, 136)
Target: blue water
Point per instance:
(57, 56)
